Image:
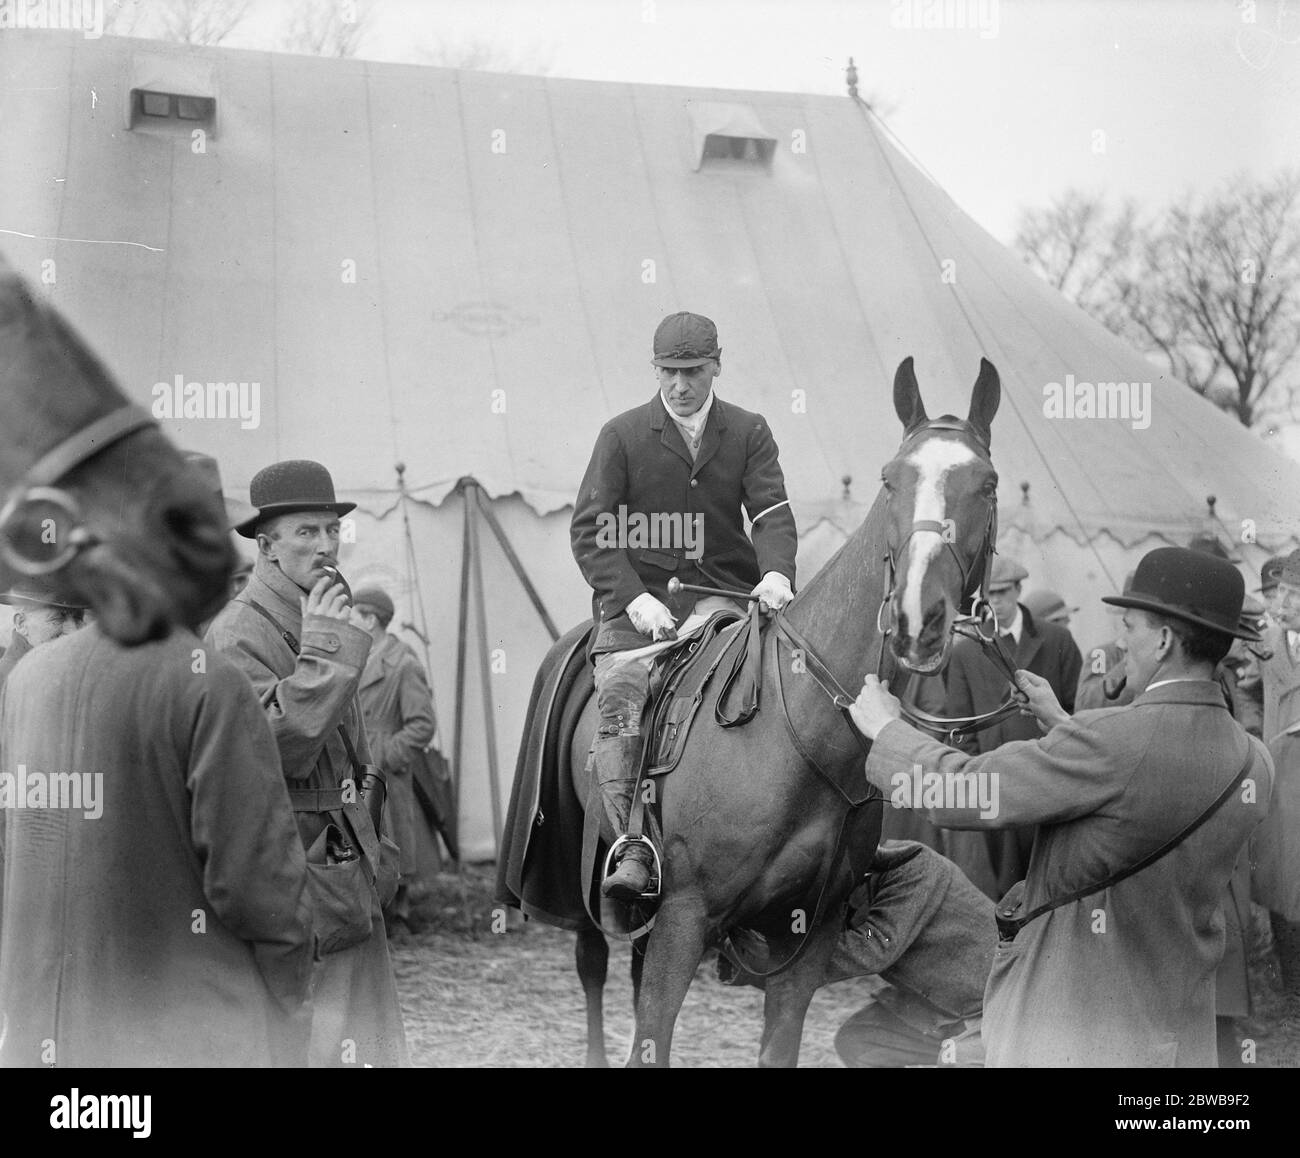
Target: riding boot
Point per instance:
(616, 770)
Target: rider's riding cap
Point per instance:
(683, 340)
(283, 487)
(1189, 585)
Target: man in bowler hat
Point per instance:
(1121, 975)
(289, 632)
(42, 614)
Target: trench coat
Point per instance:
(1123, 977)
(975, 687)
(398, 709)
(173, 928)
(17, 648)
(1276, 875)
(356, 1018)
(641, 464)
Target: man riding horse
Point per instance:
(662, 498)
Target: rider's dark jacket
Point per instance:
(642, 468)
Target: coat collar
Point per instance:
(384, 657)
(1207, 692)
(671, 437)
(275, 591)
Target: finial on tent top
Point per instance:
(1024, 493)
(1210, 500)
(851, 79)
(847, 480)
(400, 467)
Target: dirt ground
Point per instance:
(473, 997)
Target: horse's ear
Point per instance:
(985, 398)
(907, 396)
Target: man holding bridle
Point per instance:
(686, 460)
(1110, 945)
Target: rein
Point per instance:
(37, 486)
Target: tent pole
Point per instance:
(513, 559)
(462, 626)
(485, 667)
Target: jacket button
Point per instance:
(695, 482)
(331, 643)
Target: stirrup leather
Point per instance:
(656, 874)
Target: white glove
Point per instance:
(652, 618)
(773, 591)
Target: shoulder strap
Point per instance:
(292, 640)
(1015, 924)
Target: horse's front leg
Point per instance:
(591, 954)
(788, 996)
(671, 957)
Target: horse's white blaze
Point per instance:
(933, 462)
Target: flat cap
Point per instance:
(1006, 571)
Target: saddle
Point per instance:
(684, 674)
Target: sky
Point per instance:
(1007, 105)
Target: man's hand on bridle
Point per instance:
(1039, 701)
(327, 599)
(875, 707)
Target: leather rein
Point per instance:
(37, 486)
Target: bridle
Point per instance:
(37, 487)
(950, 729)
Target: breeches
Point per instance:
(623, 677)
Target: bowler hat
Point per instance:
(1193, 586)
(207, 468)
(1210, 545)
(375, 597)
(38, 592)
(685, 339)
(295, 485)
(1006, 571)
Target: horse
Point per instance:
(130, 527)
(768, 827)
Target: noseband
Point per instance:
(37, 486)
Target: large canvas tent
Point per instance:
(461, 272)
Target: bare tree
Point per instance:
(1212, 290)
(482, 55)
(1077, 246)
(199, 21)
(326, 27)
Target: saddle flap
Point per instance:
(683, 691)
